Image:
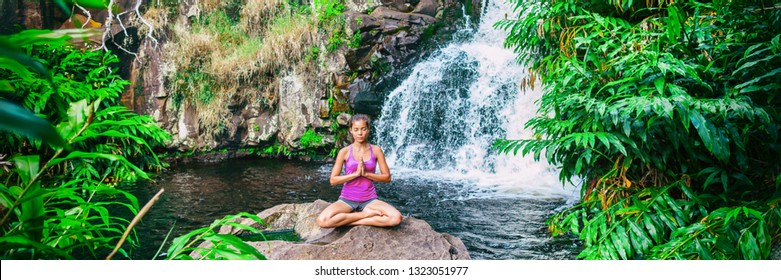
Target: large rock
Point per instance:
(261, 128)
(400, 5)
(298, 107)
(363, 99)
(427, 7)
(412, 239)
(400, 18)
(361, 5)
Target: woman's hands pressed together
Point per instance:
(361, 168)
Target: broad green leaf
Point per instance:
(31, 208)
(624, 246)
(764, 240)
(77, 114)
(244, 248)
(27, 167)
(244, 227)
(659, 84)
(111, 157)
(700, 123)
(13, 58)
(748, 246)
(702, 250)
(5, 86)
(17, 68)
(179, 243)
(18, 241)
(64, 5)
(644, 243)
(18, 120)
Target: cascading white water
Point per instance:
(441, 121)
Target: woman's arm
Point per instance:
(384, 176)
(337, 169)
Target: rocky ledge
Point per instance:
(413, 239)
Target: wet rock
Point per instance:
(363, 99)
(400, 5)
(262, 128)
(324, 110)
(360, 6)
(187, 126)
(389, 14)
(427, 7)
(361, 22)
(358, 58)
(297, 109)
(147, 78)
(341, 101)
(413, 239)
(343, 119)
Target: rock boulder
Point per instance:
(413, 239)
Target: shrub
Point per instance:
(674, 99)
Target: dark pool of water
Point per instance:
(492, 227)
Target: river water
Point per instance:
(491, 223)
(436, 128)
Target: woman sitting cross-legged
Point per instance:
(358, 203)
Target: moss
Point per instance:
(310, 139)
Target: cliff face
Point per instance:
(262, 73)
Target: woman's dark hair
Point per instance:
(360, 117)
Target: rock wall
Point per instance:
(393, 33)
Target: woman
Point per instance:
(358, 203)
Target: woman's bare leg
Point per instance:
(388, 215)
(338, 214)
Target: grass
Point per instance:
(259, 13)
(234, 54)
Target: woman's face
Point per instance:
(360, 131)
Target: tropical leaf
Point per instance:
(18, 120)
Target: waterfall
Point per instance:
(440, 122)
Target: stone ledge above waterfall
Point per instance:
(413, 239)
(278, 108)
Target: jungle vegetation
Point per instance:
(668, 112)
(69, 149)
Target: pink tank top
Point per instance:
(361, 188)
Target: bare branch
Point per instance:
(107, 33)
(135, 220)
(151, 28)
(89, 16)
(127, 51)
(120, 22)
(107, 26)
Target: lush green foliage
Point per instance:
(659, 106)
(59, 191)
(62, 203)
(220, 246)
(311, 139)
(331, 18)
(329, 10)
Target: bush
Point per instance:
(61, 201)
(670, 98)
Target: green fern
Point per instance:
(671, 91)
